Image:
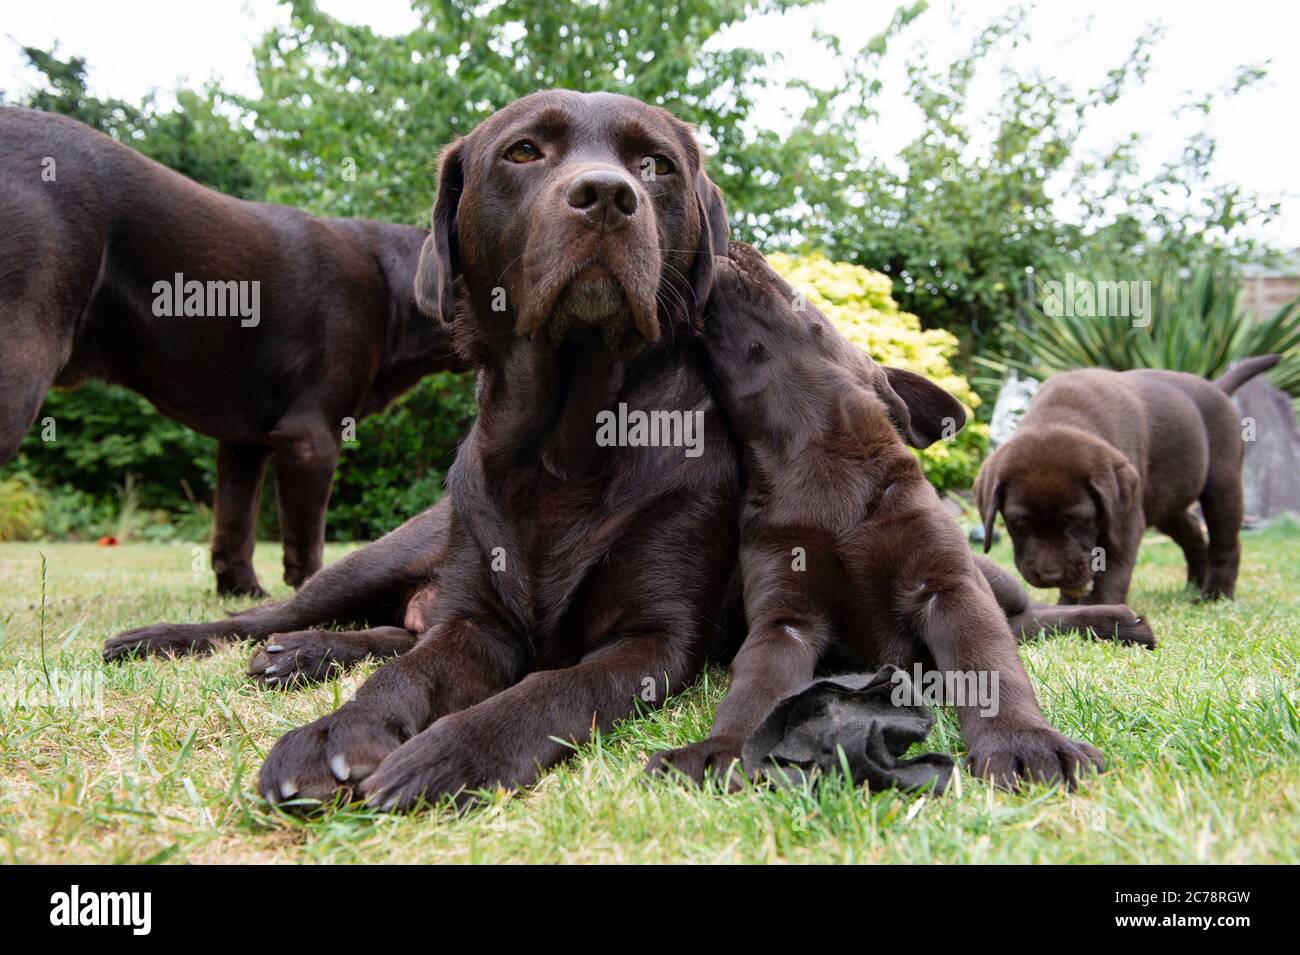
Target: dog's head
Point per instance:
(1063, 493)
(772, 352)
(573, 216)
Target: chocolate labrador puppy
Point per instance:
(848, 558)
(258, 325)
(1102, 455)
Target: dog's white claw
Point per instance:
(274, 648)
(288, 789)
(340, 768)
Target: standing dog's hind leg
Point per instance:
(305, 457)
(240, 471)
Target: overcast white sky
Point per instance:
(142, 45)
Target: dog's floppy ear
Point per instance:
(713, 242)
(922, 412)
(1114, 488)
(990, 490)
(435, 279)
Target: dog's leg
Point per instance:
(291, 659)
(31, 360)
(1104, 622)
(1221, 502)
(1028, 618)
(1110, 586)
(1007, 736)
(306, 454)
(774, 661)
(1007, 591)
(452, 667)
(509, 738)
(240, 470)
(368, 584)
(1186, 533)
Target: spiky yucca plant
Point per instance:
(1196, 324)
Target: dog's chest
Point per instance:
(545, 542)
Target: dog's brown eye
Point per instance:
(523, 152)
(663, 166)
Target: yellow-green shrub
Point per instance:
(860, 304)
(20, 509)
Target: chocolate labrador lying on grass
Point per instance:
(287, 324)
(1099, 457)
(849, 560)
(576, 578)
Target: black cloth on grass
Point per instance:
(854, 712)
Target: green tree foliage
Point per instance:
(352, 119)
(348, 122)
(962, 216)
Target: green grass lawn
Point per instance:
(1202, 737)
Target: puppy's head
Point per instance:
(573, 216)
(774, 354)
(1063, 493)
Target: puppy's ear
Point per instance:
(922, 412)
(990, 490)
(1114, 488)
(435, 279)
(713, 242)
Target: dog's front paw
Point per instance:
(289, 659)
(441, 761)
(1010, 758)
(160, 639)
(334, 753)
(718, 756)
(1136, 630)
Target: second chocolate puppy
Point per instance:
(849, 559)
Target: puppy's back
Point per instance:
(1151, 415)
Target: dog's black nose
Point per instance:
(604, 198)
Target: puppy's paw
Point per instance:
(290, 659)
(174, 639)
(716, 756)
(322, 758)
(441, 761)
(419, 609)
(1011, 758)
(1136, 630)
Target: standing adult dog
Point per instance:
(1099, 457)
(112, 267)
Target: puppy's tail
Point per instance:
(1243, 371)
